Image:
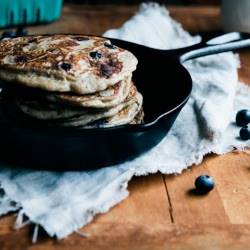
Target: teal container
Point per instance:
(25, 12)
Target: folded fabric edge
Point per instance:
(80, 220)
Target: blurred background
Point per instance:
(172, 2)
(97, 16)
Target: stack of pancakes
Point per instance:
(70, 81)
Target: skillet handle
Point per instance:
(223, 43)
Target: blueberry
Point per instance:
(8, 34)
(65, 66)
(243, 117)
(99, 123)
(109, 45)
(245, 133)
(21, 31)
(95, 54)
(32, 40)
(204, 184)
(81, 38)
(20, 59)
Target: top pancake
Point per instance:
(64, 63)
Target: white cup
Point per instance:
(235, 15)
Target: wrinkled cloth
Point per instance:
(64, 202)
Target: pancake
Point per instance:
(73, 81)
(123, 116)
(45, 112)
(128, 115)
(109, 97)
(50, 111)
(64, 63)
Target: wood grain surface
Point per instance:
(162, 211)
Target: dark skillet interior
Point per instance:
(162, 79)
(165, 85)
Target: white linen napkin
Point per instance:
(64, 202)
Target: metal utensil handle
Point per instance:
(228, 42)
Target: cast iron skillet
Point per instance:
(165, 85)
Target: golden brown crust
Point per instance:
(77, 63)
(61, 53)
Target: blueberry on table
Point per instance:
(243, 117)
(204, 184)
(8, 34)
(21, 31)
(245, 133)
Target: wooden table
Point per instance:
(161, 212)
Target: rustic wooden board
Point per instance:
(161, 212)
